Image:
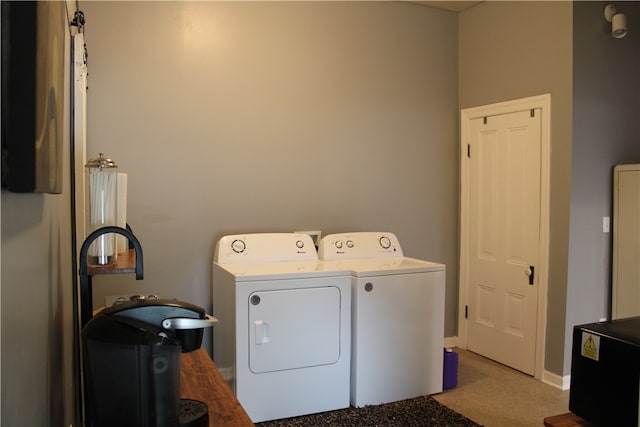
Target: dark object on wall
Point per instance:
(605, 372)
(33, 36)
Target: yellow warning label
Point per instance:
(590, 346)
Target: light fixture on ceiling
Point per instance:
(618, 21)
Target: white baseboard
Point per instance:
(556, 380)
(450, 342)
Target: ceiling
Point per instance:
(455, 6)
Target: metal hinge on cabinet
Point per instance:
(466, 311)
(469, 150)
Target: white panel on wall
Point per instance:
(625, 298)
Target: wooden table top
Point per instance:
(201, 380)
(566, 420)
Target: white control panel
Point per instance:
(265, 247)
(359, 245)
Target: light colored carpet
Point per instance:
(494, 395)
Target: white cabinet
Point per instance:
(625, 299)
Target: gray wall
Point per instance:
(606, 108)
(36, 308)
(505, 54)
(261, 116)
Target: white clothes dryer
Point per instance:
(283, 338)
(397, 317)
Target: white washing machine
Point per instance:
(397, 317)
(283, 337)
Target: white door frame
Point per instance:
(543, 102)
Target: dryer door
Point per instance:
(294, 328)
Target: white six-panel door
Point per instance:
(503, 241)
(505, 193)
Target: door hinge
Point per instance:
(466, 311)
(484, 120)
(469, 150)
(532, 113)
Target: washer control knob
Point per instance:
(238, 246)
(368, 286)
(339, 244)
(385, 242)
(300, 244)
(350, 244)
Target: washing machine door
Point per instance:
(294, 328)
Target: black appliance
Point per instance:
(131, 364)
(605, 372)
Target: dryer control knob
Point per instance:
(385, 242)
(238, 246)
(350, 244)
(339, 244)
(300, 244)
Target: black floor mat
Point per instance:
(420, 411)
